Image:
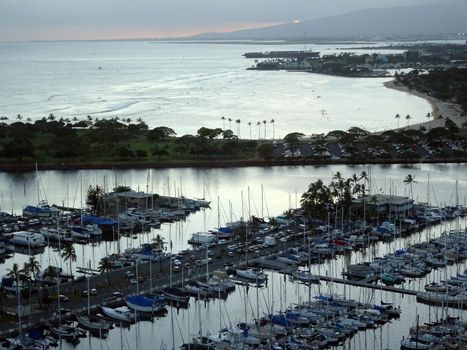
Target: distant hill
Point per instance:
(400, 21)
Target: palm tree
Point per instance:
(32, 268)
(17, 275)
(15, 272)
(409, 180)
(51, 117)
(273, 129)
(19, 117)
(428, 115)
(264, 122)
(69, 254)
(223, 122)
(238, 121)
(51, 274)
(408, 117)
(398, 117)
(105, 266)
(94, 195)
(160, 245)
(28, 120)
(259, 129)
(230, 123)
(249, 124)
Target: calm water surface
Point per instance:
(187, 86)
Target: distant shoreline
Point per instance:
(438, 107)
(27, 167)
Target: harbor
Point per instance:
(189, 267)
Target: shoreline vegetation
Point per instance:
(62, 144)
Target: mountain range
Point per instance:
(428, 19)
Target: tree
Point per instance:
(121, 188)
(17, 275)
(230, 123)
(265, 129)
(273, 129)
(18, 148)
(249, 125)
(358, 132)
(266, 151)
(159, 245)
(293, 137)
(408, 117)
(69, 254)
(451, 126)
(259, 129)
(105, 266)
(31, 269)
(209, 133)
(398, 117)
(428, 115)
(94, 196)
(228, 134)
(139, 153)
(316, 199)
(238, 121)
(223, 122)
(160, 133)
(159, 152)
(409, 180)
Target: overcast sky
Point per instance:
(106, 19)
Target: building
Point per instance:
(386, 204)
(412, 56)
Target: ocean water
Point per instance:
(187, 86)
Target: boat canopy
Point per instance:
(99, 221)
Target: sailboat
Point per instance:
(96, 327)
(146, 304)
(252, 274)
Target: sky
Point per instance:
(22, 20)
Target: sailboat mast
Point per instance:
(218, 214)
(37, 185)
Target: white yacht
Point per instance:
(122, 313)
(28, 239)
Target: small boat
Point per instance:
(145, 304)
(65, 332)
(252, 274)
(97, 327)
(436, 287)
(412, 344)
(305, 276)
(176, 295)
(122, 313)
(390, 279)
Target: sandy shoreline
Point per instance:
(445, 109)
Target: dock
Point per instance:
(366, 284)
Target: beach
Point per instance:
(439, 108)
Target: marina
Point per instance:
(192, 275)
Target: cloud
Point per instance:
(20, 18)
